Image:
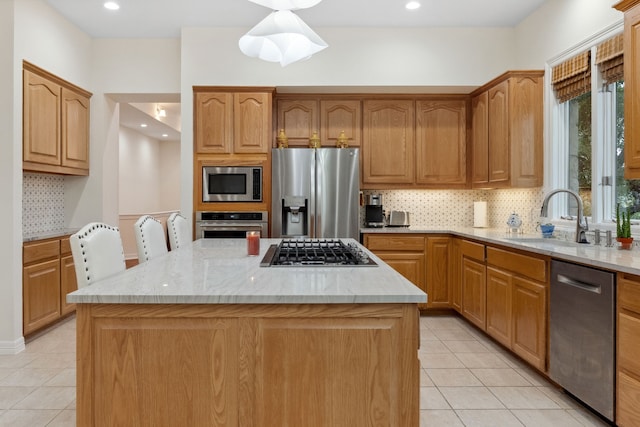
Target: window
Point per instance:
(627, 190)
(579, 170)
(589, 134)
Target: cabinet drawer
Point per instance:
(472, 250)
(33, 252)
(528, 266)
(395, 243)
(65, 246)
(629, 292)
(628, 344)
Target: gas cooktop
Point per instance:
(316, 252)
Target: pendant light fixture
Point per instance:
(282, 36)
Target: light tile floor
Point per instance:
(469, 380)
(466, 380)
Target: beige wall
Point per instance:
(559, 25)
(149, 174)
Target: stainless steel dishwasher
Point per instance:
(582, 334)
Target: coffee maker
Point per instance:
(373, 214)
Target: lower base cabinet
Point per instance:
(499, 301)
(628, 348)
(48, 275)
(529, 314)
(501, 291)
(405, 254)
(256, 365)
(517, 301)
(474, 283)
(421, 259)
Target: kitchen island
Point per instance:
(204, 336)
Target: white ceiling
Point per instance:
(134, 115)
(165, 18)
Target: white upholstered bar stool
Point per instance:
(97, 252)
(150, 238)
(178, 231)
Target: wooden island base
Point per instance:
(248, 365)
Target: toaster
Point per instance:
(398, 219)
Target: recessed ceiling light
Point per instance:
(165, 135)
(111, 5)
(143, 125)
(413, 5)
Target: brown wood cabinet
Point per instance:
(455, 275)
(499, 289)
(438, 272)
(68, 282)
(337, 115)
(441, 143)
(55, 124)
(507, 125)
(422, 259)
(48, 275)
(405, 254)
(628, 347)
(631, 9)
(299, 117)
(474, 283)
(255, 365)
(232, 120)
(414, 143)
(517, 301)
(388, 150)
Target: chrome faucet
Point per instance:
(581, 222)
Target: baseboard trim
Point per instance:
(12, 347)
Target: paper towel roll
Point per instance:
(480, 214)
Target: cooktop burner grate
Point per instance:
(315, 252)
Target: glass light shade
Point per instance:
(286, 4)
(281, 37)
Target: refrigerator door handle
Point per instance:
(313, 197)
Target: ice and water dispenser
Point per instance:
(295, 216)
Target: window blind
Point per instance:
(610, 59)
(572, 77)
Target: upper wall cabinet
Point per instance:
(414, 143)
(300, 117)
(507, 142)
(441, 143)
(232, 121)
(338, 115)
(631, 9)
(388, 151)
(55, 124)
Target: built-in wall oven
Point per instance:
(230, 225)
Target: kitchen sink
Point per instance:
(542, 240)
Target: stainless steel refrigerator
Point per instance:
(315, 192)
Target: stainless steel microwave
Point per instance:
(232, 183)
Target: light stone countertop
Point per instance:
(610, 258)
(218, 271)
(32, 237)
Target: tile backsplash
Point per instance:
(42, 203)
(454, 208)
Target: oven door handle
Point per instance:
(209, 227)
